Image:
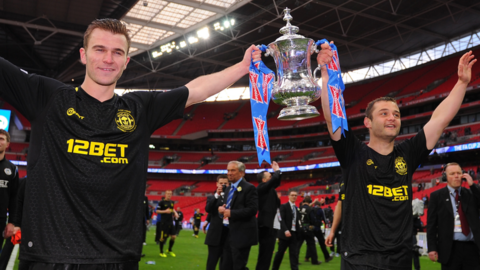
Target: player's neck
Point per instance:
(381, 146)
(2, 155)
(100, 92)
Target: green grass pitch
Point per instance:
(191, 253)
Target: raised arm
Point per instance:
(208, 85)
(449, 107)
(324, 57)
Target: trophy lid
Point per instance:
(289, 31)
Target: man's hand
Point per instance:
(254, 54)
(433, 255)
(288, 234)
(227, 213)
(221, 209)
(324, 56)
(8, 230)
(465, 67)
(204, 228)
(219, 189)
(16, 229)
(329, 239)
(275, 166)
(469, 179)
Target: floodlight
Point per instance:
(203, 33)
(192, 40)
(183, 44)
(156, 54)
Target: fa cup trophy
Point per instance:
(295, 87)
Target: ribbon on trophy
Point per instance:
(335, 89)
(261, 84)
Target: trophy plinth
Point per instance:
(295, 86)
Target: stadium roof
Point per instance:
(44, 36)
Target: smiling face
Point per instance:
(233, 173)
(4, 143)
(385, 121)
(105, 57)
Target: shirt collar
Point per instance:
(292, 204)
(452, 190)
(237, 183)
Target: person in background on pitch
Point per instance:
(453, 226)
(166, 228)
(238, 214)
(305, 233)
(336, 229)
(217, 232)
(8, 192)
(178, 221)
(378, 175)
(288, 234)
(268, 204)
(197, 221)
(319, 220)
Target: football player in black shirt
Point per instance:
(378, 176)
(8, 191)
(86, 146)
(197, 220)
(166, 228)
(178, 221)
(336, 229)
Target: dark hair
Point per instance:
(317, 203)
(222, 176)
(369, 110)
(4, 132)
(260, 176)
(290, 192)
(112, 25)
(307, 199)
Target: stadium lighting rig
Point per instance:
(203, 33)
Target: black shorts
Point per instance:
(26, 265)
(166, 230)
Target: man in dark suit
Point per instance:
(238, 213)
(453, 227)
(216, 233)
(288, 233)
(268, 204)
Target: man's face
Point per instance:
(292, 197)
(3, 143)
(233, 173)
(178, 209)
(266, 177)
(279, 194)
(105, 58)
(454, 176)
(168, 195)
(385, 122)
(221, 182)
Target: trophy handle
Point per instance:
(315, 73)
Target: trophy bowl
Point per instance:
(294, 87)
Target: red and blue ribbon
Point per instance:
(335, 88)
(261, 84)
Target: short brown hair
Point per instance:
(4, 132)
(112, 25)
(369, 110)
(222, 176)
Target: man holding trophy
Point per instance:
(378, 175)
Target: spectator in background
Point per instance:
(431, 168)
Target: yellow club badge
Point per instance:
(239, 189)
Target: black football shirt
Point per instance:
(164, 205)
(8, 189)
(377, 208)
(87, 167)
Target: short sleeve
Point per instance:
(345, 147)
(415, 148)
(162, 107)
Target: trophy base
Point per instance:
(297, 113)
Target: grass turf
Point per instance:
(191, 253)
